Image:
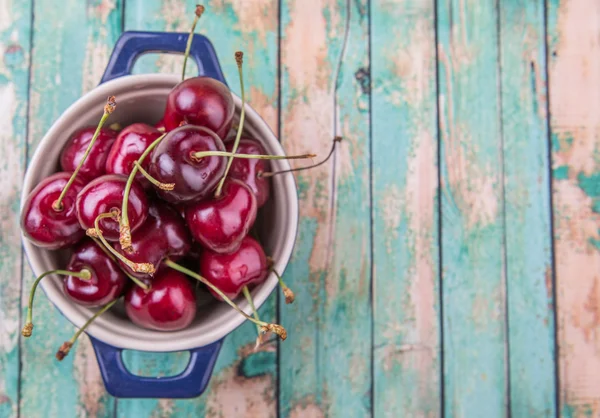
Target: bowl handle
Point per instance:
(121, 383)
(132, 44)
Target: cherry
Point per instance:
(162, 235)
(249, 170)
(106, 283)
(105, 194)
(169, 305)
(230, 273)
(201, 101)
(46, 226)
(128, 147)
(74, 151)
(173, 162)
(160, 125)
(220, 224)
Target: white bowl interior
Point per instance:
(141, 98)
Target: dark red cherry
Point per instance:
(107, 281)
(164, 234)
(75, 148)
(160, 125)
(173, 162)
(169, 305)
(201, 101)
(128, 147)
(220, 224)
(105, 194)
(247, 170)
(43, 225)
(231, 272)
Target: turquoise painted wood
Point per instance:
(15, 48)
(71, 45)
(472, 216)
(407, 350)
(530, 302)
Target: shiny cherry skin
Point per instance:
(107, 282)
(160, 125)
(46, 227)
(163, 235)
(201, 101)
(105, 194)
(231, 272)
(221, 223)
(173, 162)
(248, 170)
(128, 147)
(74, 150)
(169, 305)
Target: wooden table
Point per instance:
(448, 259)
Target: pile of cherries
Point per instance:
(148, 211)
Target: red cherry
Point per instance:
(247, 170)
(201, 101)
(169, 305)
(231, 272)
(45, 226)
(128, 147)
(105, 194)
(162, 235)
(160, 125)
(172, 162)
(75, 149)
(107, 281)
(220, 224)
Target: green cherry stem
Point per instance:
(198, 12)
(201, 154)
(83, 274)
(162, 186)
(66, 346)
(239, 59)
(248, 297)
(264, 326)
(124, 228)
(108, 109)
(287, 292)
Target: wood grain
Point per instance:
(407, 352)
(473, 288)
(574, 50)
(325, 365)
(529, 267)
(15, 27)
(71, 44)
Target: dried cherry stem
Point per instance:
(197, 156)
(124, 228)
(264, 326)
(66, 346)
(199, 10)
(110, 106)
(248, 297)
(274, 173)
(287, 292)
(96, 232)
(161, 186)
(239, 59)
(83, 274)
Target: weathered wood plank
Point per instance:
(325, 366)
(473, 291)
(71, 45)
(407, 356)
(15, 27)
(574, 75)
(527, 205)
(243, 382)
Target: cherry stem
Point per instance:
(66, 346)
(83, 274)
(274, 173)
(239, 60)
(201, 154)
(162, 186)
(124, 228)
(248, 297)
(264, 326)
(287, 292)
(199, 10)
(108, 109)
(146, 268)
